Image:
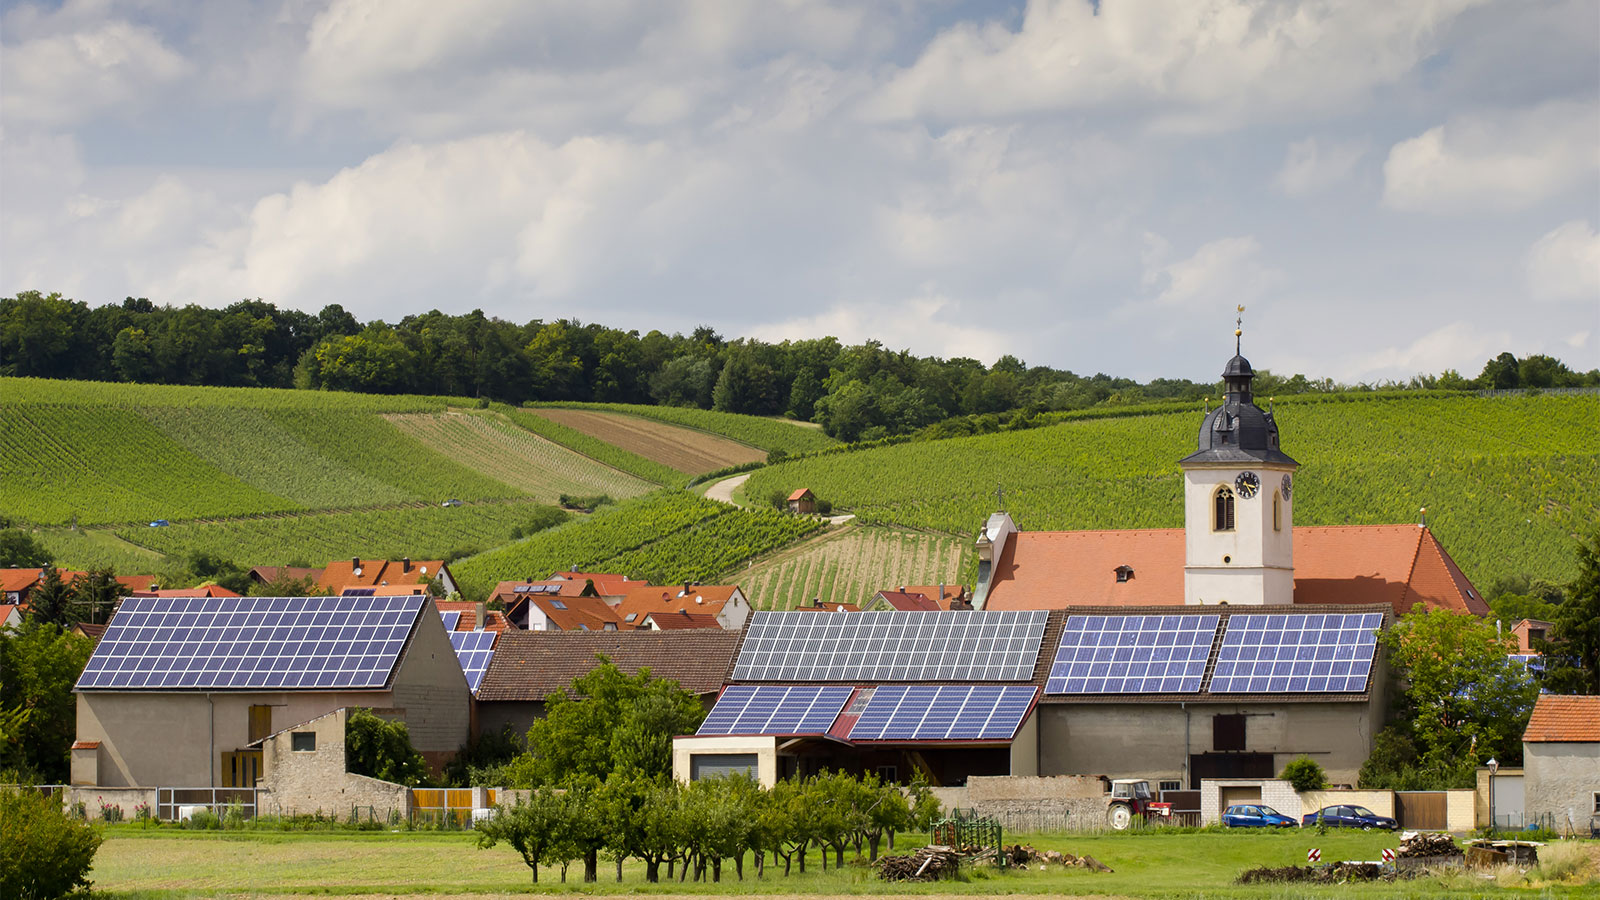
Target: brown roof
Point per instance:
(1333, 565)
(952, 593)
(800, 494)
(1558, 718)
(529, 665)
(669, 621)
(577, 613)
(24, 579)
(85, 745)
(88, 629)
(341, 574)
(506, 591)
(703, 599)
(210, 590)
(606, 584)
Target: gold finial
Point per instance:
(1238, 329)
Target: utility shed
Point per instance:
(529, 666)
(179, 689)
(1561, 760)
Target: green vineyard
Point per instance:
(768, 434)
(852, 564)
(1509, 482)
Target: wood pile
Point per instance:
(929, 863)
(1024, 855)
(1427, 844)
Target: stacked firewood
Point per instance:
(929, 863)
(1427, 843)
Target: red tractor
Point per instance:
(1130, 799)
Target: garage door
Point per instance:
(1232, 796)
(710, 765)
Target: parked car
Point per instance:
(1350, 817)
(1255, 816)
(451, 502)
(160, 523)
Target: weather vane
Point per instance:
(1000, 496)
(1238, 329)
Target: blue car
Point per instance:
(1255, 816)
(1350, 817)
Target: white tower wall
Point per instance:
(1251, 565)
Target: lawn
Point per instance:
(169, 864)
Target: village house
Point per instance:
(384, 576)
(724, 603)
(1561, 761)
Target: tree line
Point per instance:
(859, 392)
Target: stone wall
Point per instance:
(1038, 803)
(1380, 802)
(309, 781)
(126, 799)
(1276, 793)
(1560, 779)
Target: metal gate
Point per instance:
(1421, 810)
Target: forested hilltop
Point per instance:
(860, 392)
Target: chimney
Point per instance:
(941, 596)
(480, 611)
(405, 563)
(355, 562)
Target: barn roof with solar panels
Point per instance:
(346, 643)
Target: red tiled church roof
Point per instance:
(1400, 565)
(1558, 718)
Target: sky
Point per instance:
(1388, 188)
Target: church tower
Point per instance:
(1238, 509)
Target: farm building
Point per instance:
(802, 501)
(528, 666)
(1561, 761)
(179, 689)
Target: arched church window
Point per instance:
(1222, 519)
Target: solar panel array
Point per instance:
(943, 712)
(776, 709)
(239, 643)
(474, 649)
(1132, 654)
(1296, 653)
(451, 617)
(891, 646)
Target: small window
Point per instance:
(1222, 515)
(1171, 785)
(558, 604)
(303, 740)
(1124, 573)
(889, 774)
(1227, 733)
(1597, 803)
(630, 617)
(1535, 634)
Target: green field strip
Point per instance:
(425, 532)
(251, 446)
(524, 460)
(372, 445)
(104, 464)
(94, 548)
(595, 449)
(757, 431)
(52, 392)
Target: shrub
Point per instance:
(202, 820)
(1304, 774)
(47, 853)
(110, 813)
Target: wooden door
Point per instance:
(1422, 810)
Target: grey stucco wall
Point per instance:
(1146, 740)
(1560, 779)
(432, 691)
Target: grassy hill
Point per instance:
(1509, 482)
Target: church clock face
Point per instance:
(1288, 484)
(1247, 484)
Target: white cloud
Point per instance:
(1458, 345)
(63, 78)
(930, 323)
(1565, 264)
(1311, 167)
(1223, 271)
(1199, 64)
(1494, 161)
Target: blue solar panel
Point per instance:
(891, 646)
(251, 643)
(775, 709)
(944, 712)
(1296, 653)
(1155, 654)
(474, 650)
(452, 619)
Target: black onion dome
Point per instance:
(1238, 430)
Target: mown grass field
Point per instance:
(168, 864)
(1509, 482)
(687, 450)
(851, 564)
(768, 434)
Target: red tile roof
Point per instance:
(506, 591)
(606, 584)
(341, 574)
(16, 580)
(1558, 718)
(799, 494)
(576, 613)
(6, 609)
(704, 599)
(469, 615)
(85, 745)
(1333, 565)
(669, 621)
(528, 665)
(906, 601)
(210, 590)
(952, 593)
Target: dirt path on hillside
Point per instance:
(723, 490)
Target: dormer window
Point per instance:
(1124, 573)
(1222, 515)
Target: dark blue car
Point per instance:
(1350, 817)
(1254, 815)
